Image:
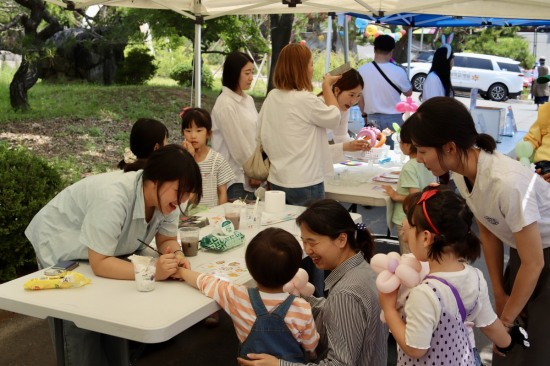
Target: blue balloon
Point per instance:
(361, 23)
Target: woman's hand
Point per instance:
(546, 176)
(258, 359)
(255, 183)
(331, 79)
(167, 265)
(356, 145)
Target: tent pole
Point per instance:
(198, 64)
(409, 48)
(346, 39)
(329, 42)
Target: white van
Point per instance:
(496, 78)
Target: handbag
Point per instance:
(257, 166)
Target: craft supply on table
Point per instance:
(144, 269)
(68, 279)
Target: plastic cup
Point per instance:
(233, 214)
(253, 216)
(144, 270)
(189, 240)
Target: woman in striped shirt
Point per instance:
(348, 319)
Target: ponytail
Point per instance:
(486, 142)
(364, 242)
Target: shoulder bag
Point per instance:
(385, 77)
(257, 166)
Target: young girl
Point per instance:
(413, 177)
(266, 319)
(433, 329)
(512, 206)
(196, 128)
(348, 318)
(147, 136)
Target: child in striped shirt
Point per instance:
(196, 128)
(266, 319)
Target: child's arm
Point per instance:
(498, 334)
(189, 276)
(388, 303)
(396, 197)
(222, 194)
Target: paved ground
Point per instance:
(26, 341)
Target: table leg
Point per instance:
(117, 351)
(59, 341)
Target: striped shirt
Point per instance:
(235, 301)
(348, 320)
(215, 172)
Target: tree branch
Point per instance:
(12, 23)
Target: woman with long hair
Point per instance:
(438, 82)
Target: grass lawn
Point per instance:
(83, 128)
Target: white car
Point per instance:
(496, 78)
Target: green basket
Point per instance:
(219, 243)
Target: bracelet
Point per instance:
(179, 250)
(364, 115)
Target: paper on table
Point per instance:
(270, 219)
(226, 269)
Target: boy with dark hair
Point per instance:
(266, 319)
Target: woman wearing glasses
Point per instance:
(108, 215)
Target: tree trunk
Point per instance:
(25, 77)
(281, 29)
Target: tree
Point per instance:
(33, 47)
(281, 30)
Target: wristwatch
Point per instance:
(364, 115)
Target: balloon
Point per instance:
(361, 23)
(376, 34)
(299, 285)
(403, 32)
(371, 29)
(524, 150)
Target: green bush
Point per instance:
(183, 74)
(26, 184)
(139, 66)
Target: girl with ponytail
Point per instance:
(438, 227)
(511, 204)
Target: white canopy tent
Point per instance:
(203, 10)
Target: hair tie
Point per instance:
(426, 195)
(129, 157)
(361, 227)
(183, 110)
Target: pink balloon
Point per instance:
(387, 282)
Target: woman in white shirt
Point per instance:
(293, 123)
(438, 82)
(511, 204)
(234, 122)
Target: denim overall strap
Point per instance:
(459, 302)
(270, 333)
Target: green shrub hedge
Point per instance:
(139, 67)
(183, 75)
(27, 183)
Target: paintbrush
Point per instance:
(147, 245)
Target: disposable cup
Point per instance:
(253, 216)
(233, 214)
(189, 240)
(144, 270)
